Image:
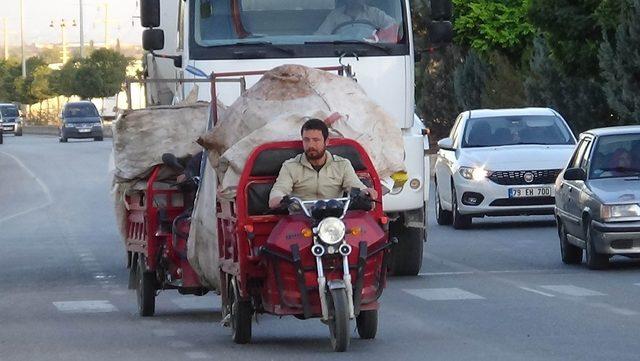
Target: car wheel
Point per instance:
(63, 139)
(19, 134)
(570, 254)
(459, 221)
(98, 139)
(594, 259)
(443, 217)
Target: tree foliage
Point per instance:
(620, 64)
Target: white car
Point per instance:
(500, 162)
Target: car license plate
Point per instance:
(531, 192)
(8, 128)
(84, 130)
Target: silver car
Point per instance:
(598, 198)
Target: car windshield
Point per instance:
(373, 25)
(80, 111)
(616, 156)
(9, 112)
(516, 130)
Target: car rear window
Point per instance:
(516, 130)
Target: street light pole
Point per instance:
(24, 61)
(81, 31)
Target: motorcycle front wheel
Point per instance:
(339, 320)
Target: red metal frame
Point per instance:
(241, 237)
(145, 236)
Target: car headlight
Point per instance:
(69, 125)
(474, 173)
(97, 124)
(620, 211)
(331, 230)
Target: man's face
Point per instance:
(313, 143)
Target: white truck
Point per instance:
(373, 37)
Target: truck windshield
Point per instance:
(294, 28)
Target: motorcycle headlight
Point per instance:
(620, 211)
(331, 230)
(474, 173)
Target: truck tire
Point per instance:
(407, 253)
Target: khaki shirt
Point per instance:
(374, 15)
(298, 178)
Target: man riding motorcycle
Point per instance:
(316, 174)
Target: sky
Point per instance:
(38, 15)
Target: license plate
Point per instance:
(531, 192)
(8, 128)
(84, 130)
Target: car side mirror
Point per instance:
(446, 144)
(575, 174)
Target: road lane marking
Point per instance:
(93, 306)
(443, 294)
(42, 185)
(570, 290)
(613, 309)
(536, 291)
(197, 355)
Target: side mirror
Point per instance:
(575, 174)
(152, 39)
(150, 13)
(446, 144)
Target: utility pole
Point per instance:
(106, 25)
(63, 26)
(24, 61)
(81, 31)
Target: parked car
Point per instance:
(501, 162)
(80, 120)
(10, 119)
(598, 198)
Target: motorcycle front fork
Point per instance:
(344, 283)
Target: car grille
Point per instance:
(517, 177)
(530, 201)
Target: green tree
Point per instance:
(469, 79)
(486, 25)
(63, 81)
(36, 79)
(12, 70)
(102, 74)
(620, 64)
(503, 87)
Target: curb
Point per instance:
(53, 130)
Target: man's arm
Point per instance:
(282, 187)
(328, 25)
(351, 181)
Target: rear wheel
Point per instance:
(459, 221)
(570, 254)
(339, 320)
(442, 217)
(407, 253)
(594, 259)
(241, 312)
(367, 324)
(146, 290)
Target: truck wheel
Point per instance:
(339, 320)
(407, 253)
(570, 254)
(241, 312)
(459, 221)
(442, 217)
(594, 259)
(146, 290)
(367, 324)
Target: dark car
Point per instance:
(80, 120)
(10, 119)
(598, 198)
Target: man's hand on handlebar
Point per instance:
(371, 192)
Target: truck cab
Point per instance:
(373, 37)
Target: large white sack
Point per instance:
(281, 101)
(140, 137)
(202, 246)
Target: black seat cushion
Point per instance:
(269, 162)
(350, 153)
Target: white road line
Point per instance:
(570, 290)
(197, 355)
(164, 332)
(42, 185)
(94, 306)
(443, 294)
(536, 291)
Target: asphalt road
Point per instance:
(495, 292)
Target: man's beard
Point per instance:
(314, 154)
